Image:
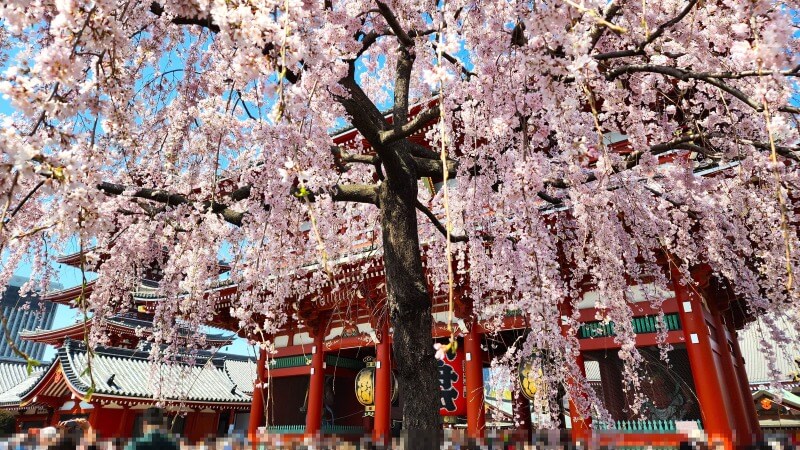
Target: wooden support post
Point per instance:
(476, 414)
(708, 381)
(257, 403)
(522, 415)
(382, 427)
(742, 433)
(316, 385)
(581, 426)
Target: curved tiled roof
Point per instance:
(129, 373)
(11, 395)
(758, 371)
(242, 373)
(12, 373)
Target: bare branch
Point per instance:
(413, 126)
(437, 223)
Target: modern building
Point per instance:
(24, 313)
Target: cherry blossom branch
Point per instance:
(685, 75)
(597, 31)
(172, 199)
(639, 50)
(206, 22)
(600, 20)
(453, 60)
(436, 223)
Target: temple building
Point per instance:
(206, 392)
(332, 369)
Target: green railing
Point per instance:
(290, 361)
(344, 363)
(302, 360)
(286, 429)
(641, 426)
(343, 429)
(642, 324)
(326, 429)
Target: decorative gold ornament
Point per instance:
(530, 378)
(365, 386)
(766, 403)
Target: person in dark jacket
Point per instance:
(155, 435)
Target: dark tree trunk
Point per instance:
(407, 288)
(410, 310)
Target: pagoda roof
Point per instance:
(120, 325)
(74, 260)
(69, 295)
(128, 376)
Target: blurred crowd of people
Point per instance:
(77, 434)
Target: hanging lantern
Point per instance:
(530, 378)
(365, 387)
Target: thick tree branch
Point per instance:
(402, 86)
(394, 24)
(420, 151)
(172, 199)
(413, 126)
(433, 168)
(364, 115)
(360, 193)
(437, 223)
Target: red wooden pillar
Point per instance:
(743, 434)
(123, 421)
(476, 413)
(581, 426)
(709, 383)
(316, 385)
(522, 415)
(257, 403)
(382, 427)
(744, 387)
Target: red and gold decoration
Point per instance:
(453, 399)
